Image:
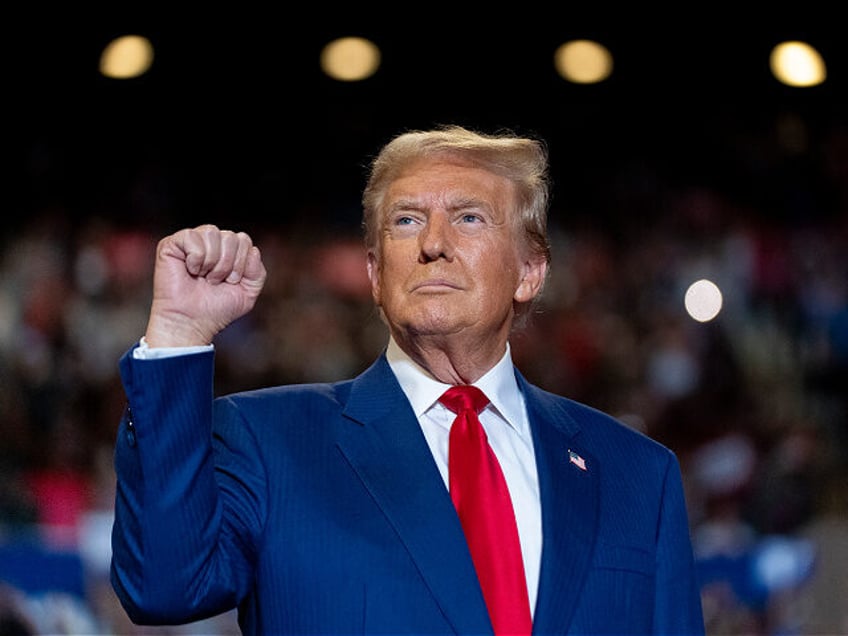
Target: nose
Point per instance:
(436, 238)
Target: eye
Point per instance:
(470, 218)
(403, 224)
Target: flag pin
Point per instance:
(575, 459)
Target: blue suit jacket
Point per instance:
(318, 509)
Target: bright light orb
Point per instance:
(350, 59)
(583, 62)
(703, 300)
(797, 64)
(127, 57)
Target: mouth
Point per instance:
(434, 285)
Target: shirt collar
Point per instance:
(423, 390)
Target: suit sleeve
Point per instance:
(677, 606)
(184, 530)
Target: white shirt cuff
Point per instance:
(145, 352)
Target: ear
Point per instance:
(373, 268)
(534, 271)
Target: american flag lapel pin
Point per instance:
(575, 459)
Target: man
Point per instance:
(327, 508)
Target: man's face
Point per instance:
(449, 257)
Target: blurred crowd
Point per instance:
(754, 403)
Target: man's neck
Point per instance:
(451, 359)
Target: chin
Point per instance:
(427, 327)
(428, 317)
(432, 326)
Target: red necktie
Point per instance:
(480, 494)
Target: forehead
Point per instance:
(447, 177)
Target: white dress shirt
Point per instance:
(505, 423)
(506, 426)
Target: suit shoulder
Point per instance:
(600, 427)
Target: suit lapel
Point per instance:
(387, 450)
(569, 497)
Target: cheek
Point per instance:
(386, 282)
(397, 265)
(500, 274)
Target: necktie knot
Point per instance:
(464, 398)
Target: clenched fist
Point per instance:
(204, 279)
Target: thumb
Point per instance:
(254, 274)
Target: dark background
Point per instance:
(236, 120)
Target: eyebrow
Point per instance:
(459, 204)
